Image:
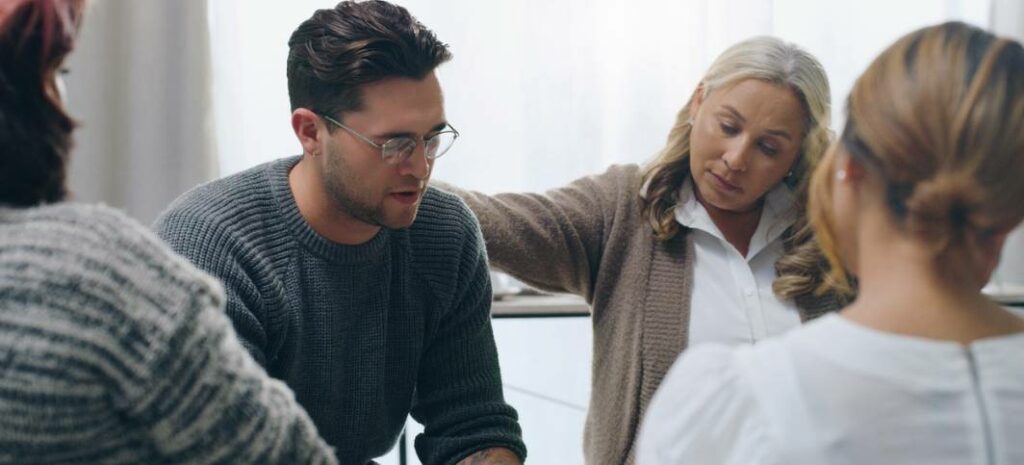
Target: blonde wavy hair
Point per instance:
(770, 60)
(940, 116)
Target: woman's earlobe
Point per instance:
(847, 168)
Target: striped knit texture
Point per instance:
(365, 334)
(113, 350)
(596, 243)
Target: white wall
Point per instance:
(1008, 19)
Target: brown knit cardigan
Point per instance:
(591, 239)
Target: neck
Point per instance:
(316, 207)
(899, 291)
(737, 227)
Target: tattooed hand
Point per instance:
(493, 456)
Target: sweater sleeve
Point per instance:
(553, 240)
(212, 248)
(459, 397)
(205, 401)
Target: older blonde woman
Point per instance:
(685, 250)
(915, 201)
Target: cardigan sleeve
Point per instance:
(552, 240)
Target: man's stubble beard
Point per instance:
(343, 192)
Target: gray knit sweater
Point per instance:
(113, 350)
(595, 242)
(363, 334)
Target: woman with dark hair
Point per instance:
(112, 348)
(916, 201)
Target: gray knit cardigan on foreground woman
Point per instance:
(113, 350)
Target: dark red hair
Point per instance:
(35, 131)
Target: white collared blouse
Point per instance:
(732, 301)
(838, 393)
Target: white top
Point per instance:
(834, 392)
(732, 301)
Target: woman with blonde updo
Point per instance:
(915, 201)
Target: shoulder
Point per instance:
(627, 174)
(705, 412)
(231, 198)
(102, 234)
(616, 183)
(98, 257)
(444, 222)
(442, 210)
(619, 179)
(446, 245)
(235, 215)
(701, 374)
(613, 194)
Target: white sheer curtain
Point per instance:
(140, 85)
(545, 91)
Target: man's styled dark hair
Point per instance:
(35, 131)
(337, 51)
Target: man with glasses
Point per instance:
(347, 277)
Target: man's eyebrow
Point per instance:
(391, 135)
(439, 127)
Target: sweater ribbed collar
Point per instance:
(372, 250)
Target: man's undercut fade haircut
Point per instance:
(337, 51)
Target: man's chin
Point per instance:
(399, 221)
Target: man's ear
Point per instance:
(306, 125)
(696, 100)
